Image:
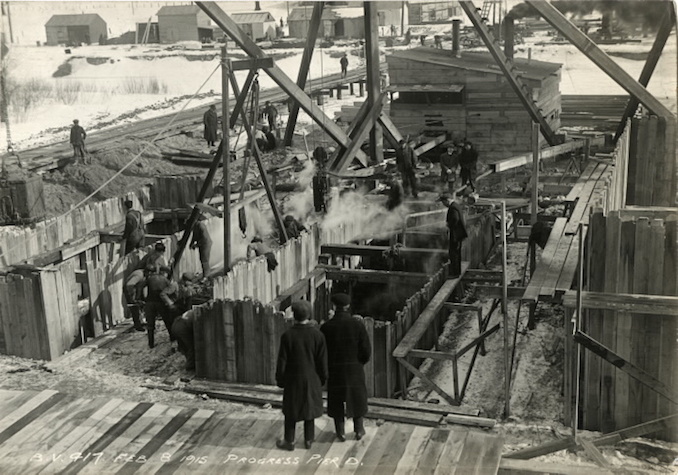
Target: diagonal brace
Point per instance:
(361, 134)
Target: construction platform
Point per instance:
(51, 432)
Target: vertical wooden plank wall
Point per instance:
(176, 191)
(20, 243)
(652, 162)
(629, 255)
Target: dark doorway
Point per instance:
(78, 35)
(339, 29)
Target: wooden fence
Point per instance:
(627, 253)
(172, 191)
(652, 162)
(18, 243)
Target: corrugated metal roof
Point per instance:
(73, 20)
(171, 10)
(252, 17)
(476, 62)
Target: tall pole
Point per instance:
(225, 74)
(504, 311)
(535, 172)
(373, 74)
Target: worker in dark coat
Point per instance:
(156, 282)
(343, 62)
(348, 349)
(540, 232)
(203, 241)
(257, 248)
(135, 231)
(395, 194)
(293, 227)
(301, 372)
(178, 297)
(457, 232)
(449, 167)
(155, 258)
(271, 142)
(210, 121)
(77, 140)
(468, 160)
(406, 163)
(271, 114)
(134, 295)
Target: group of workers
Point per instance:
(309, 357)
(265, 137)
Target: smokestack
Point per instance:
(508, 36)
(455, 38)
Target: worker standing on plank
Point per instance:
(301, 371)
(343, 62)
(348, 349)
(203, 241)
(457, 232)
(210, 121)
(257, 248)
(78, 136)
(134, 295)
(135, 231)
(272, 114)
(157, 282)
(449, 166)
(406, 163)
(468, 160)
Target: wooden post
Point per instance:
(303, 68)
(226, 157)
(504, 311)
(373, 77)
(535, 173)
(577, 326)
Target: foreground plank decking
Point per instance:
(50, 432)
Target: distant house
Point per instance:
(337, 22)
(469, 97)
(257, 25)
(86, 28)
(183, 23)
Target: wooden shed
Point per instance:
(336, 22)
(422, 12)
(468, 96)
(183, 23)
(86, 28)
(257, 25)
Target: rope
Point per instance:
(129, 164)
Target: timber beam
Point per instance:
(652, 59)
(527, 158)
(364, 129)
(338, 274)
(378, 251)
(602, 60)
(232, 29)
(304, 67)
(632, 303)
(508, 68)
(374, 97)
(242, 97)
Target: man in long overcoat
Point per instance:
(209, 120)
(135, 230)
(348, 349)
(77, 140)
(407, 164)
(203, 241)
(457, 231)
(301, 372)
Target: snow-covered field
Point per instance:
(114, 85)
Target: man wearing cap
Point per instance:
(134, 232)
(156, 282)
(348, 349)
(202, 240)
(301, 372)
(468, 160)
(210, 120)
(457, 232)
(449, 166)
(78, 141)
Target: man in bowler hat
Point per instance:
(348, 349)
(301, 372)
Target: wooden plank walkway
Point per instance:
(49, 432)
(556, 270)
